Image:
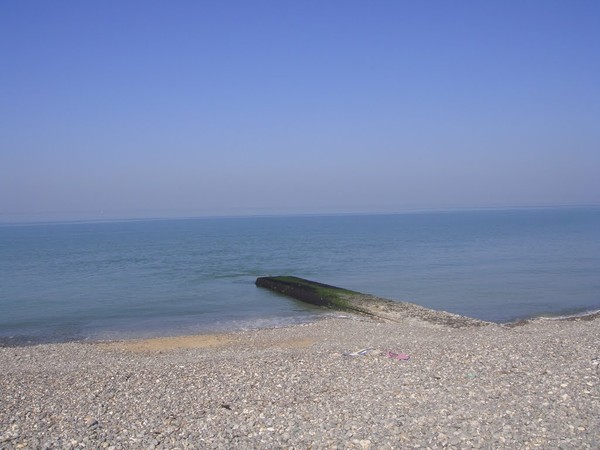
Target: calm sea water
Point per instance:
(164, 277)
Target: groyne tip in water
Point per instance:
(333, 297)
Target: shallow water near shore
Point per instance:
(114, 280)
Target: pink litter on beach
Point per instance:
(400, 356)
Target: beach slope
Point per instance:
(310, 386)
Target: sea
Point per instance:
(125, 279)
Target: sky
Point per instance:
(193, 108)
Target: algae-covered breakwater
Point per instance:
(333, 297)
(308, 291)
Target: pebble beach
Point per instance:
(343, 382)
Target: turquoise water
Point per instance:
(162, 277)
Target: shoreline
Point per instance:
(218, 339)
(27, 341)
(495, 386)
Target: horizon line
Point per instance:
(117, 217)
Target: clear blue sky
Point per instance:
(166, 108)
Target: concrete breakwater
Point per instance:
(337, 298)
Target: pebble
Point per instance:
(535, 385)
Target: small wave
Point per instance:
(586, 315)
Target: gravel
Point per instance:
(530, 386)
